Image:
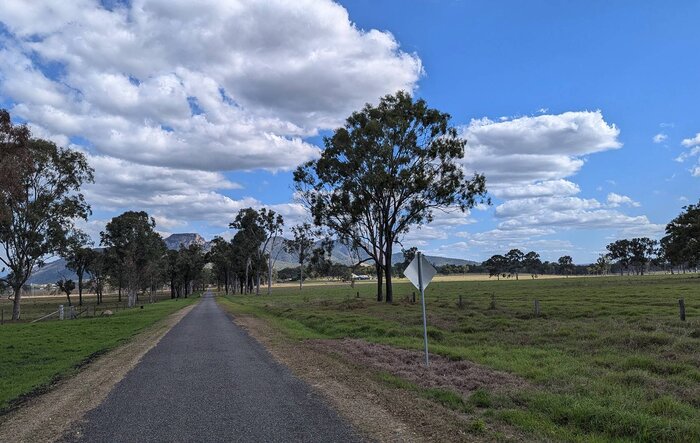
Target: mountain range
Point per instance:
(56, 270)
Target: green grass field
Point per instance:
(607, 360)
(32, 355)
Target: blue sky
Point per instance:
(559, 101)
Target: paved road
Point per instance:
(207, 380)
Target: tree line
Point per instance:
(516, 262)
(678, 249)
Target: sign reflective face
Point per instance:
(427, 269)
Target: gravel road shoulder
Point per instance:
(378, 411)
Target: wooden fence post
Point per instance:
(413, 300)
(358, 294)
(681, 308)
(461, 304)
(60, 312)
(537, 308)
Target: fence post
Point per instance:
(413, 300)
(681, 308)
(461, 305)
(2, 316)
(72, 312)
(60, 312)
(358, 294)
(537, 308)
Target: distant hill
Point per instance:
(341, 255)
(56, 270)
(51, 273)
(174, 241)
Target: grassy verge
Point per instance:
(607, 359)
(34, 355)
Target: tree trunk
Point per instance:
(80, 289)
(269, 274)
(246, 275)
(15, 303)
(380, 282)
(131, 297)
(301, 275)
(387, 271)
(257, 284)
(120, 293)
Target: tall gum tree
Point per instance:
(39, 200)
(136, 247)
(386, 171)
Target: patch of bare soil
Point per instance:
(378, 411)
(461, 376)
(48, 416)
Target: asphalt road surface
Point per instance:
(206, 381)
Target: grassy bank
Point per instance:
(607, 359)
(33, 355)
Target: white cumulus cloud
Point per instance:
(615, 200)
(209, 85)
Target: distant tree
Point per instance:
(97, 268)
(496, 265)
(78, 255)
(602, 264)
(515, 258)
(321, 262)
(272, 224)
(619, 251)
(39, 200)
(137, 249)
(220, 255)
(642, 252)
(531, 263)
(250, 239)
(171, 272)
(566, 264)
(67, 287)
(386, 171)
(301, 246)
(681, 244)
(189, 265)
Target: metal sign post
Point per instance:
(422, 300)
(420, 272)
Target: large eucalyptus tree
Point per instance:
(385, 172)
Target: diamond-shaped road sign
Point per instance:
(427, 270)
